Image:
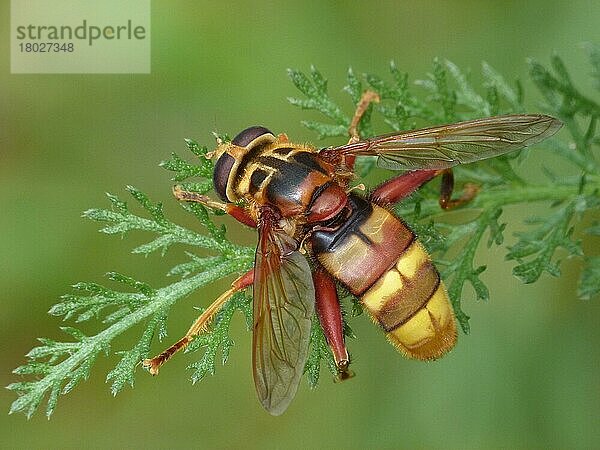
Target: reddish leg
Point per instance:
(330, 317)
(200, 325)
(238, 213)
(366, 99)
(446, 202)
(400, 187)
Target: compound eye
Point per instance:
(249, 135)
(221, 175)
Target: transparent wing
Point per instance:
(284, 299)
(445, 146)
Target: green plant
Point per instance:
(448, 96)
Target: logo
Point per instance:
(80, 36)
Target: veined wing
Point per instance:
(445, 146)
(284, 299)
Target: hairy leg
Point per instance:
(238, 213)
(400, 187)
(330, 317)
(200, 325)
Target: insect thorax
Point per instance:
(281, 174)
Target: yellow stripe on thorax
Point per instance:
(243, 181)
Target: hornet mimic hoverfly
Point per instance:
(315, 232)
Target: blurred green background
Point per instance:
(526, 377)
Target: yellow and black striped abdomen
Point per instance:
(380, 261)
(411, 304)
